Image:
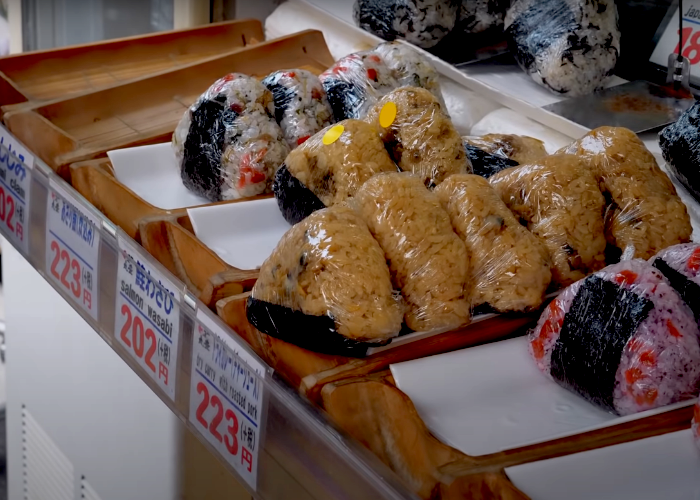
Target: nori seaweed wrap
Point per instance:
(680, 144)
(485, 164)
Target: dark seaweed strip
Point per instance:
(201, 165)
(281, 95)
(345, 98)
(602, 319)
(687, 289)
(680, 144)
(537, 28)
(315, 333)
(295, 200)
(485, 164)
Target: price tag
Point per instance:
(15, 180)
(147, 317)
(72, 249)
(226, 397)
(668, 42)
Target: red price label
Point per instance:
(72, 249)
(15, 179)
(226, 401)
(135, 336)
(73, 275)
(691, 44)
(210, 414)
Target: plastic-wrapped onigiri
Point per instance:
(301, 106)
(622, 338)
(519, 148)
(428, 261)
(559, 200)
(356, 82)
(420, 22)
(645, 210)
(227, 143)
(327, 288)
(568, 46)
(329, 168)
(476, 16)
(680, 144)
(680, 264)
(419, 136)
(510, 267)
(411, 68)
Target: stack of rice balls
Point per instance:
(230, 143)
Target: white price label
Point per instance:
(669, 41)
(147, 317)
(72, 249)
(226, 399)
(15, 181)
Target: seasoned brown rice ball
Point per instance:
(510, 267)
(644, 210)
(328, 265)
(520, 148)
(321, 172)
(428, 261)
(559, 199)
(421, 138)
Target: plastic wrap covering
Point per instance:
(510, 267)
(644, 210)
(476, 16)
(428, 261)
(519, 148)
(680, 264)
(485, 164)
(327, 287)
(695, 426)
(301, 106)
(329, 168)
(419, 136)
(559, 199)
(355, 83)
(622, 338)
(680, 144)
(420, 22)
(228, 144)
(568, 46)
(411, 68)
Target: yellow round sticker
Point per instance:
(333, 134)
(387, 115)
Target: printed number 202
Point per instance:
(230, 439)
(137, 336)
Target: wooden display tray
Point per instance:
(147, 110)
(310, 371)
(380, 416)
(50, 74)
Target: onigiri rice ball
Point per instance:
(227, 143)
(301, 105)
(680, 264)
(622, 338)
(421, 22)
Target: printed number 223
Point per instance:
(230, 439)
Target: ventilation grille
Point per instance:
(86, 491)
(48, 474)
